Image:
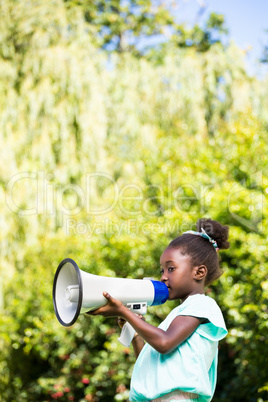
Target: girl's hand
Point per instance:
(137, 341)
(113, 308)
(121, 322)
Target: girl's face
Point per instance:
(178, 274)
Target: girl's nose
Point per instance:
(163, 278)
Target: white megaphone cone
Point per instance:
(76, 292)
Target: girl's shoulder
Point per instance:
(204, 307)
(200, 300)
(197, 302)
(200, 305)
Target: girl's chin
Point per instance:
(170, 297)
(173, 296)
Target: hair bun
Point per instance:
(216, 231)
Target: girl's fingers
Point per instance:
(121, 322)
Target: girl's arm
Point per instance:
(137, 343)
(162, 341)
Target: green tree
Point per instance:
(145, 26)
(105, 163)
(202, 38)
(123, 25)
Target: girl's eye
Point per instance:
(170, 269)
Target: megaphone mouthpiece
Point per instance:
(160, 293)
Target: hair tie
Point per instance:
(204, 234)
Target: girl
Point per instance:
(179, 360)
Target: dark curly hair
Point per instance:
(201, 251)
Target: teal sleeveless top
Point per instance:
(191, 366)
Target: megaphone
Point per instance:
(76, 292)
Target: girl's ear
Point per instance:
(200, 272)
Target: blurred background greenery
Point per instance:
(109, 150)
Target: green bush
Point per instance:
(105, 160)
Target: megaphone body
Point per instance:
(76, 292)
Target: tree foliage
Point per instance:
(144, 27)
(122, 25)
(105, 159)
